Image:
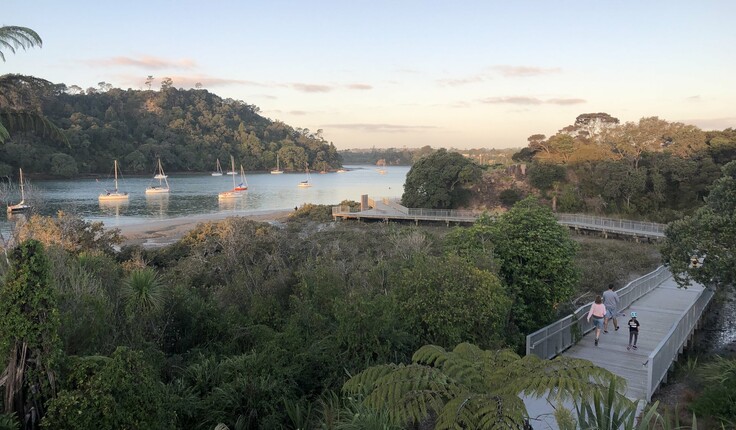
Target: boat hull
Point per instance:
(216, 174)
(157, 190)
(276, 172)
(111, 197)
(20, 207)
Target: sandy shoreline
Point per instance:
(157, 233)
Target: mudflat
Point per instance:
(157, 233)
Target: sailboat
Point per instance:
(278, 170)
(218, 169)
(22, 206)
(232, 171)
(305, 183)
(161, 176)
(232, 193)
(243, 185)
(114, 194)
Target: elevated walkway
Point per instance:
(668, 316)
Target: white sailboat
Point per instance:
(243, 185)
(278, 170)
(218, 169)
(162, 179)
(22, 206)
(232, 171)
(305, 183)
(115, 194)
(232, 193)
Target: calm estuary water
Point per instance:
(197, 194)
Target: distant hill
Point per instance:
(188, 129)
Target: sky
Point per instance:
(404, 73)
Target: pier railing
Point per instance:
(551, 340)
(612, 224)
(661, 358)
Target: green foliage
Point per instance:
(14, 37)
(471, 388)
(29, 324)
(718, 399)
(543, 175)
(143, 292)
(70, 232)
(536, 262)
(709, 234)
(312, 212)
(9, 422)
(439, 181)
(121, 391)
(509, 196)
(446, 301)
(187, 129)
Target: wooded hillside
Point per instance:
(188, 129)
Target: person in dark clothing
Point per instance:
(633, 330)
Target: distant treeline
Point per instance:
(187, 129)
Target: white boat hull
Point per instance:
(157, 190)
(276, 172)
(216, 174)
(111, 197)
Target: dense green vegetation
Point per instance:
(239, 322)
(187, 129)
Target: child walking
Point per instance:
(633, 330)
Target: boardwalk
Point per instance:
(668, 316)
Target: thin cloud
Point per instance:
(187, 81)
(146, 62)
(524, 71)
(380, 128)
(462, 81)
(297, 112)
(565, 101)
(519, 100)
(712, 123)
(512, 100)
(360, 87)
(693, 99)
(311, 88)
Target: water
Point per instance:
(197, 194)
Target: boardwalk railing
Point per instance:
(612, 225)
(442, 213)
(661, 359)
(550, 341)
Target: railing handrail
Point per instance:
(564, 326)
(615, 223)
(674, 341)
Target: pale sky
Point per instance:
(463, 74)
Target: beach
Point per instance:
(158, 233)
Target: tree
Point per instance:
(166, 83)
(29, 324)
(121, 391)
(536, 261)
(438, 181)
(447, 300)
(20, 107)
(708, 235)
(149, 81)
(13, 37)
(473, 388)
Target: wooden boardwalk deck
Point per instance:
(658, 312)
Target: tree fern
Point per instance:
(472, 388)
(14, 37)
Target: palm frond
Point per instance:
(29, 122)
(14, 37)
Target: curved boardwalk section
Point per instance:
(668, 316)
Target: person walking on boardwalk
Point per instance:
(598, 312)
(611, 300)
(633, 330)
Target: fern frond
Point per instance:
(31, 122)
(484, 411)
(365, 382)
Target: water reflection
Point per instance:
(158, 204)
(113, 207)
